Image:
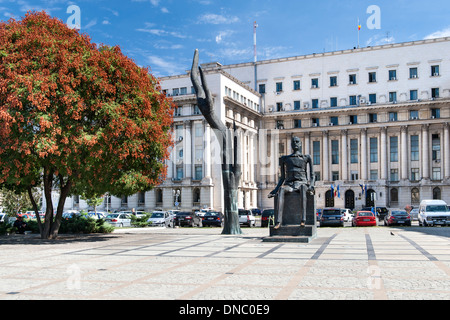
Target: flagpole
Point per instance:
(359, 28)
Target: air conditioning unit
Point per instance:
(306, 105)
(315, 125)
(270, 109)
(436, 74)
(414, 118)
(362, 101)
(180, 138)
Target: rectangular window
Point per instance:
(279, 86)
(435, 71)
(353, 119)
(297, 85)
(413, 96)
(279, 106)
(262, 88)
(180, 173)
(315, 122)
(392, 75)
(435, 113)
(333, 102)
(373, 98)
(297, 105)
(392, 116)
(334, 151)
(413, 74)
(414, 174)
(334, 121)
(183, 91)
(352, 79)
(436, 147)
(297, 123)
(352, 100)
(316, 152)
(373, 117)
(414, 148)
(373, 175)
(393, 97)
(354, 150)
(354, 175)
(198, 172)
(315, 103)
(333, 81)
(414, 115)
(373, 150)
(314, 83)
(394, 175)
(335, 176)
(435, 93)
(372, 77)
(393, 142)
(436, 174)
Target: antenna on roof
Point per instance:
(255, 25)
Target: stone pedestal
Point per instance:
(290, 230)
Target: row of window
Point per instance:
(354, 100)
(373, 149)
(241, 98)
(352, 79)
(353, 119)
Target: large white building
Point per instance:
(375, 120)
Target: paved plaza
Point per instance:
(201, 264)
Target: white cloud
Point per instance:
(168, 67)
(223, 34)
(379, 39)
(162, 33)
(439, 34)
(211, 18)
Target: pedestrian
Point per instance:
(20, 225)
(408, 208)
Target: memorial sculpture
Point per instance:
(294, 195)
(231, 168)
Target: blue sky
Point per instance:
(163, 34)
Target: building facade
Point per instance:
(375, 121)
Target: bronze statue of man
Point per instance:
(294, 178)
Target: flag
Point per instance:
(359, 27)
(338, 192)
(332, 191)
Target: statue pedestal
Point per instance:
(290, 230)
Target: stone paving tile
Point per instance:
(201, 264)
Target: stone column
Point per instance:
(344, 161)
(326, 157)
(364, 154)
(187, 158)
(207, 150)
(404, 152)
(307, 147)
(425, 153)
(383, 153)
(446, 151)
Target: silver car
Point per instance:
(161, 219)
(119, 219)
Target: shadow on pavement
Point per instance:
(35, 239)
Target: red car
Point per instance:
(364, 219)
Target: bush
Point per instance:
(141, 222)
(82, 224)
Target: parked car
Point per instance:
(119, 219)
(397, 217)
(267, 217)
(187, 219)
(160, 219)
(246, 217)
(414, 214)
(433, 212)
(97, 215)
(213, 219)
(256, 211)
(364, 219)
(380, 213)
(348, 216)
(332, 217)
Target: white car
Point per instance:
(433, 212)
(247, 217)
(118, 219)
(348, 217)
(160, 219)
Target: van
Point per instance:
(433, 212)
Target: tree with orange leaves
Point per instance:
(76, 116)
